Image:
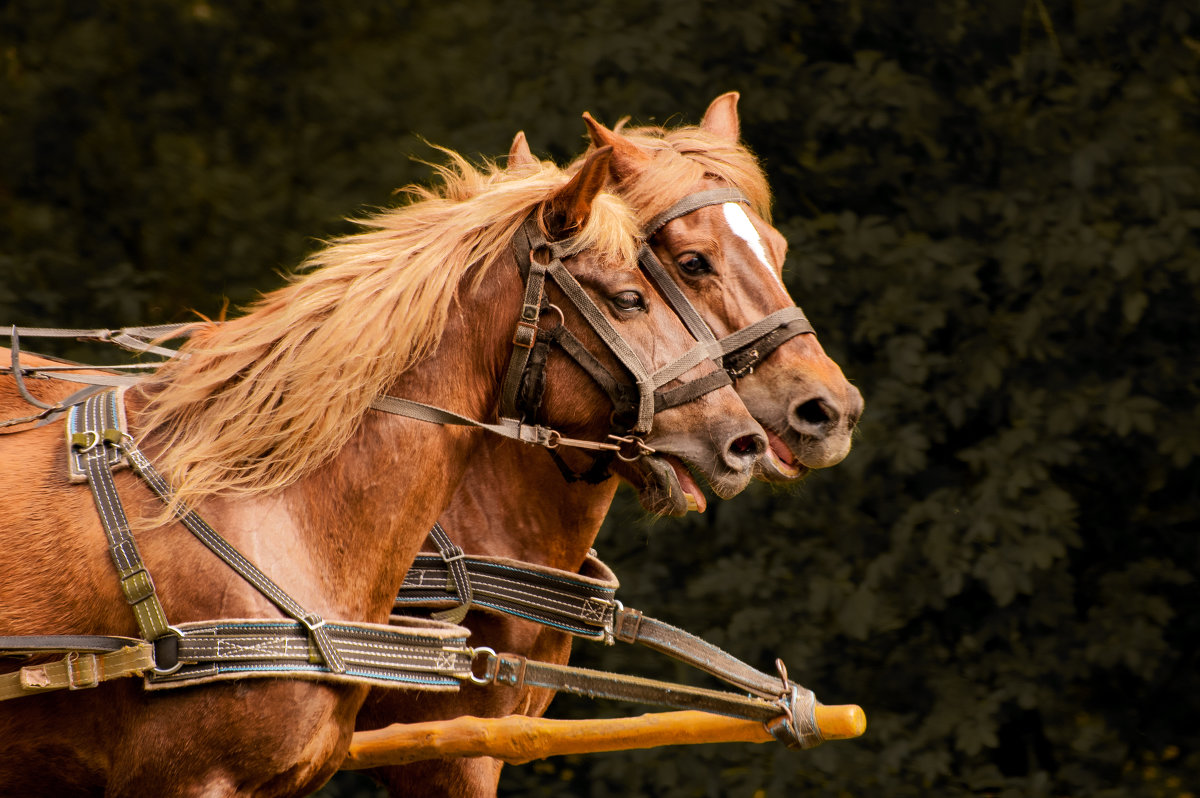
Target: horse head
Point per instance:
(711, 432)
(727, 260)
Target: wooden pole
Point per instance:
(517, 739)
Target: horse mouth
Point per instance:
(780, 463)
(669, 487)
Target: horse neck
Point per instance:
(513, 502)
(340, 538)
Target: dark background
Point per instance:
(993, 212)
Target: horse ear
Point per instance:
(721, 118)
(571, 205)
(627, 158)
(519, 154)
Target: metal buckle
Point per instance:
(489, 673)
(525, 336)
(85, 441)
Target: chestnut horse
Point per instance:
(732, 275)
(264, 426)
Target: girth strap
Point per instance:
(584, 604)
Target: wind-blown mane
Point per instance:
(256, 403)
(684, 155)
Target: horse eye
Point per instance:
(628, 301)
(693, 264)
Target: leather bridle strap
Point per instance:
(758, 339)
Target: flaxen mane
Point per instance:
(683, 156)
(255, 403)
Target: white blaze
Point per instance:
(744, 229)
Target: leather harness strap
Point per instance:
(790, 718)
(584, 605)
(420, 654)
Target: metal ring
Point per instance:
(488, 674)
(178, 662)
(562, 320)
(552, 439)
(642, 448)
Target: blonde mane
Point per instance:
(256, 403)
(683, 156)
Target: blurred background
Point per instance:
(993, 212)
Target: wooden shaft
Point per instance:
(517, 739)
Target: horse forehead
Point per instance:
(740, 224)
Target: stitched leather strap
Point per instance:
(417, 654)
(94, 433)
(790, 718)
(78, 670)
(580, 604)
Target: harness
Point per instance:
(584, 605)
(418, 652)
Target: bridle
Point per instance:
(736, 355)
(750, 345)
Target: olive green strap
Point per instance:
(78, 670)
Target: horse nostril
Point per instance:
(749, 446)
(815, 413)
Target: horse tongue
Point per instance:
(691, 491)
(785, 461)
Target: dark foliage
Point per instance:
(993, 213)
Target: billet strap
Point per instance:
(790, 717)
(633, 626)
(580, 604)
(86, 664)
(418, 654)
